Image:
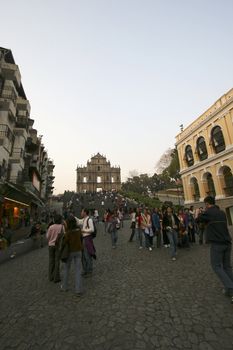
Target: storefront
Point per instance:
(18, 206)
(15, 213)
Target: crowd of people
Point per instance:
(167, 227)
(181, 230)
(71, 238)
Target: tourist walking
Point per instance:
(88, 246)
(138, 227)
(147, 229)
(54, 263)
(190, 224)
(156, 226)
(112, 228)
(166, 242)
(105, 220)
(72, 237)
(200, 227)
(183, 240)
(218, 236)
(133, 224)
(171, 224)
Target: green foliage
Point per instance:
(173, 170)
(141, 199)
(144, 184)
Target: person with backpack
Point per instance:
(54, 261)
(112, 228)
(72, 237)
(88, 246)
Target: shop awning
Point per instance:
(35, 199)
(19, 194)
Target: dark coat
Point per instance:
(167, 221)
(216, 225)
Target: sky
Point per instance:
(117, 76)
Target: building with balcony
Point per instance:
(98, 175)
(26, 179)
(205, 150)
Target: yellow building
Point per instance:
(205, 150)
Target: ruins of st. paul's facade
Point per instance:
(98, 175)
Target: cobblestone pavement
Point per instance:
(135, 299)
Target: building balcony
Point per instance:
(8, 105)
(35, 159)
(17, 157)
(23, 105)
(22, 122)
(31, 145)
(18, 153)
(50, 166)
(11, 71)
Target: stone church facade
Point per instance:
(98, 175)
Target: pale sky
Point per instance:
(117, 76)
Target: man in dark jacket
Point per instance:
(218, 236)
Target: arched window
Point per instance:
(201, 148)
(210, 184)
(189, 155)
(228, 179)
(195, 189)
(217, 139)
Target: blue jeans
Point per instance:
(76, 256)
(114, 237)
(148, 240)
(173, 237)
(139, 235)
(87, 260)
(220, 257)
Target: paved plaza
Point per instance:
(135, 299)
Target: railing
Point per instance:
(22, 122)
(9, 94)
(196, 198)
(5, 131)
(228, 191)
(17, 153)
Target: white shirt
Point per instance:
(88, 228)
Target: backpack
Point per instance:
(94, 233)
(62, 247)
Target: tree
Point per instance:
(145, 184)
(173, 169)
(164, 161)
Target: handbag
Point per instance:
(65, 251)
(62, 246)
